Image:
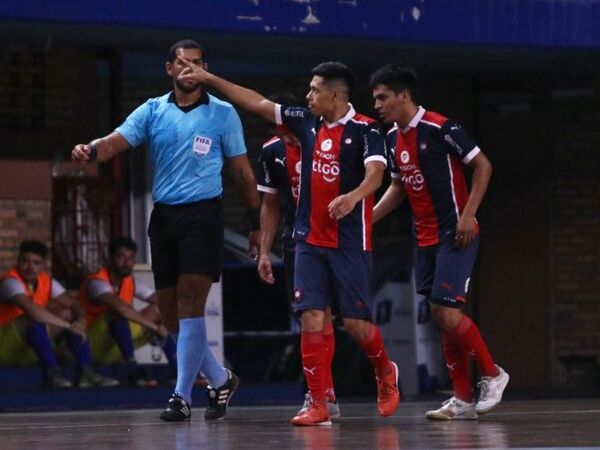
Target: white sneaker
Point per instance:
(491, 389)
(453, 409)
(333, 408)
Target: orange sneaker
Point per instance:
(388, 396)
(313, 413)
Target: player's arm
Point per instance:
(482, 172)
(390, 200)
(42, 315)
(101, 149)
(144, 292)
(270, 212)
(246, 182)
(125, 310)
(66, 301)
(243, 97)
(151, 299)
(343, 205)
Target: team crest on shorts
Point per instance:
(297, 295)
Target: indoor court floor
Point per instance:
(514, 424)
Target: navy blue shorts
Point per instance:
(186, 239)
(324, 273)
(443, 272)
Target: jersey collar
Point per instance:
(415, 120)
(342, 120)
(203, 100)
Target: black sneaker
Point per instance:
(218, 399)
(177, 410)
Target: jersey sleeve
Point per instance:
(96, 288)
(233, 135)
(374, 147)
(135, 127)
(142, 290)
(57, 289)
(266, 181)
(10, 288)
(295, 118)
(458, 142)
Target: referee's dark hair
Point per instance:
(185, 43)
(35, 247)
(396, 78)
(335, 71)
(121, 242)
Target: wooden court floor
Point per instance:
(514, 424)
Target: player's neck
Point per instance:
(183, 98)
(407, 115)
(337, 112)
(114, 276)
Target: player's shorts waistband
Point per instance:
(206, 201)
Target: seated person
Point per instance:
(107, 297)
(34, 308)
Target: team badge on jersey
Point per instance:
(404, 157)
(326, 145)
(201, 145)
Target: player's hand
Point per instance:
(81, 153)
(466, 229)
(341, 206)
(191, 71)
(254, 244)
(265, 270)
(162, 331)
(78, 328)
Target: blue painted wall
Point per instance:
(524, 23)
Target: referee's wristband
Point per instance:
(93, 154)
(254, 218)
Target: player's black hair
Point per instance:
(396, 78)
(35, 247)
(185, 43)
(284, 98)
(121, 242)
(335, 71)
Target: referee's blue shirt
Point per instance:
(187, 144)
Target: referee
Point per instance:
(189, 134)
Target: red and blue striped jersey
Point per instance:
(427, 156)
(333, 157)
(279, 173)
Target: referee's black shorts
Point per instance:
(186, 239)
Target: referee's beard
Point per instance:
(188, 88)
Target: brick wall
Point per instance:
(22, 219)
(25, 196)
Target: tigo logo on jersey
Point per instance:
(415, 180)
(404, 157)
(326, 145)
(329, 170)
